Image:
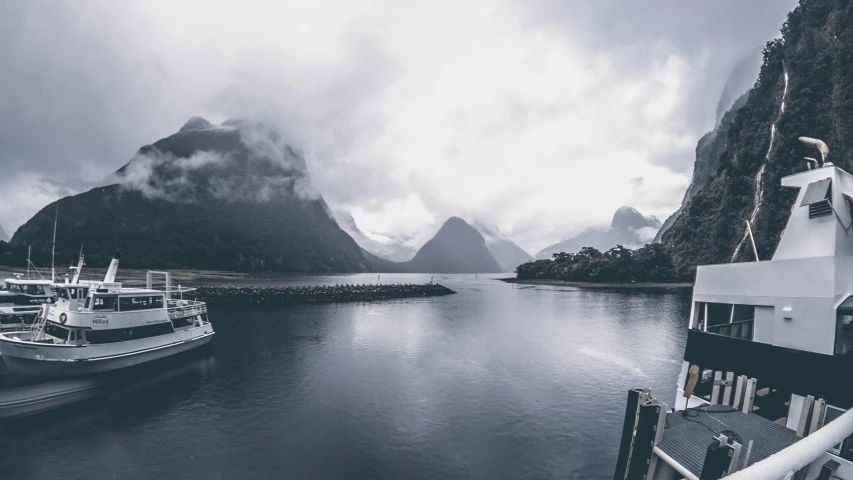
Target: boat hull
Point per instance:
(22, 357)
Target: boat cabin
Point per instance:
(769, 352)
(107, 313)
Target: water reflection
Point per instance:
(496, 381)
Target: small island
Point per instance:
(648, 267)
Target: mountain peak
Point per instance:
(196, 123)
(629, 217)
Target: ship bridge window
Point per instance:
(818, 197)
(844, 328)
(32, 289)
(104, 303)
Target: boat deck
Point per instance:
(686, 438)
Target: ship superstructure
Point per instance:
(768, 363)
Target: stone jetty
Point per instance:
(292, 295)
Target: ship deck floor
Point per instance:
(686, 437)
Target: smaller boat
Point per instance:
(21, 300)
(101, 326)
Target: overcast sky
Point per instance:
(540, 117)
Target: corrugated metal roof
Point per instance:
(686, 439)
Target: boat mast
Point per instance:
(53, 248)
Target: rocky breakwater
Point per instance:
(291, 295)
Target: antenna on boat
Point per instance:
(53, 248)
(79, 267)
(752, 240)
(821, 146)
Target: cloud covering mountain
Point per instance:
(628, 228)
(400, 127)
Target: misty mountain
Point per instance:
(4, 237)
(628, 228)
(805, 87)
(457, 247)
(233, 196)
(506, 252)
(394, 250)
(710, 148)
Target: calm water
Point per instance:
(494, 382)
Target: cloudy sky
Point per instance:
(540, 117)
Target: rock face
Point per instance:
(4, 237)
(506, 252)
(710, 148)
(628, 228)
(234, 196)
(805, 87)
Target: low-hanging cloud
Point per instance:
(259, 167)
(533, 117)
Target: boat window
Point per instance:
(11, 319)
(55, 330)
(62, 293)
(125, 334)
(35, 290)
(104, 303)
(88, 302)
(127, 304)
(844, 328)
(742, 313)
(719, 313)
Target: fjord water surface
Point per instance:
(497, 381)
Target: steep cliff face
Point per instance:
(234, 196)
(710, 148)
(805, 87)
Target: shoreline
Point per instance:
(598, 286)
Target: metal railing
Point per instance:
(185, 308)
(741, 329)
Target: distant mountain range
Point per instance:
(395, 250)
(4, 237)
(233, 196)
(458, 247)
(505, 251)
(628, 228)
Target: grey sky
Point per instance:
(539, 117)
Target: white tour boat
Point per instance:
(100, 326)
(765, 389)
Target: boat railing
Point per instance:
(185, 308)
(785, 463)
(741, 329)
